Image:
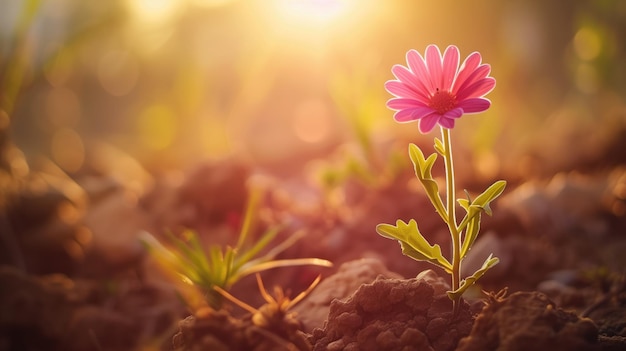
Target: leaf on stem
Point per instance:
(413, 243)
(481, 203)
(423, 170)
(471, 221)
(439, 147)
(469, 281)
(471, 233)
(483, 200)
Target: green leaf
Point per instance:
(188, 260)
(469, 281)
(464, 203)
(283, 245)
(413, 243)
(216, 257)
(253, 267)
(422, 165)
(196, 253)
(471, 233)
(483, 200)
(248, 220)
(190, 257)
(167, 259)
(262, 242)
(471, 221)
(439, 147)
(423, 168)
(481, 203)
(229, 259)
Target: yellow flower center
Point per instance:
(442, 101)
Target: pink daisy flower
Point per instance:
(436, 90)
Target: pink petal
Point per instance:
(418, 67)
(446, 122)
(412, 114)
(479, 73)
(400, 89)
(403, 103)
(427, 123)
(424, 75)
(474, 105)
(467, 68)
(450, 66)
(403, 116)
(405, 76)
(454, 113)
(421, 112)
(433, 62)
(402, 74)
(478, 89)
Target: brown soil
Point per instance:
(560, 240)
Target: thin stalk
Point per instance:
(454, 230)
(251, 207)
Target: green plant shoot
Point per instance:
(435, 90)
(187, 260)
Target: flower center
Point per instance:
(442, 101)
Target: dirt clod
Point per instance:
(529, 318)
(217, 330)
(394, 314)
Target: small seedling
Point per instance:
(221, 267)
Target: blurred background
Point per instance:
(125, 117)
(167, 83)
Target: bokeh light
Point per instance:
(68, 150)
(312, 121)
(587, 78)
(587, 43)
(156, 127)
(118, 72)
(124, 116)
(62, 107)
(210, 3)
(154, 11)
(312, 12)
(173, 81)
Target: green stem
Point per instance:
(454, 230)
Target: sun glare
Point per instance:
(210, 3)
(153, 11)
(311, 12)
